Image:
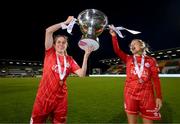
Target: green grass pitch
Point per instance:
(90, 100)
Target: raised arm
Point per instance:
(50, 30)
(82, 71)
(116, 48)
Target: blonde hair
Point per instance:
(144, 46)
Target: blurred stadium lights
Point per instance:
(160, 53)
(20, 68)
(20, 62)
(169, 51)
(17, 63)
(3, 71)
(152, 54)
(173, 53)
(10, 62)
(34, 68)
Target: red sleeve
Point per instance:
(117, 50)
(49, 51)
(156, 79)
(74, 65)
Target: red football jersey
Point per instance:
(149, 75)
(50, 87)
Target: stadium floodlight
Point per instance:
(166, 56)
(173, 55)
(109, 63)
(102, 61)
(17, 63)
(152, 54)
(178, 50)
(11, 62)
(169, 51)
(3, 71)
(35, 63)
(160, 53)
(158, 57)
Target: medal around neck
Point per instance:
(138, 70)
(61, 73)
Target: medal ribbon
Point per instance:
(61, 74)
(137, 69)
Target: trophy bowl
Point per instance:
(92, 23)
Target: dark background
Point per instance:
(23, 26)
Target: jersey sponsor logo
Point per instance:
(147, 65)
(55, 67)
(155, 113)
(68, 65)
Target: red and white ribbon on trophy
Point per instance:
(70, 26)
(117, 30)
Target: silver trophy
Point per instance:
(92, 22)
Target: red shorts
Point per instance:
(56, 110)
(145, 107)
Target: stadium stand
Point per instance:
(168, 61)
(20, 68)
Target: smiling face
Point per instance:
(136, 46)
(60, 44)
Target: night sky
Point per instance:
(23, 26)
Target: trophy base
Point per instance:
(83, 43)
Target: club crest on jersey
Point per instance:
(55, 67)
(147, 65)
(68, 64)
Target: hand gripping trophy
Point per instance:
(92, 23)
